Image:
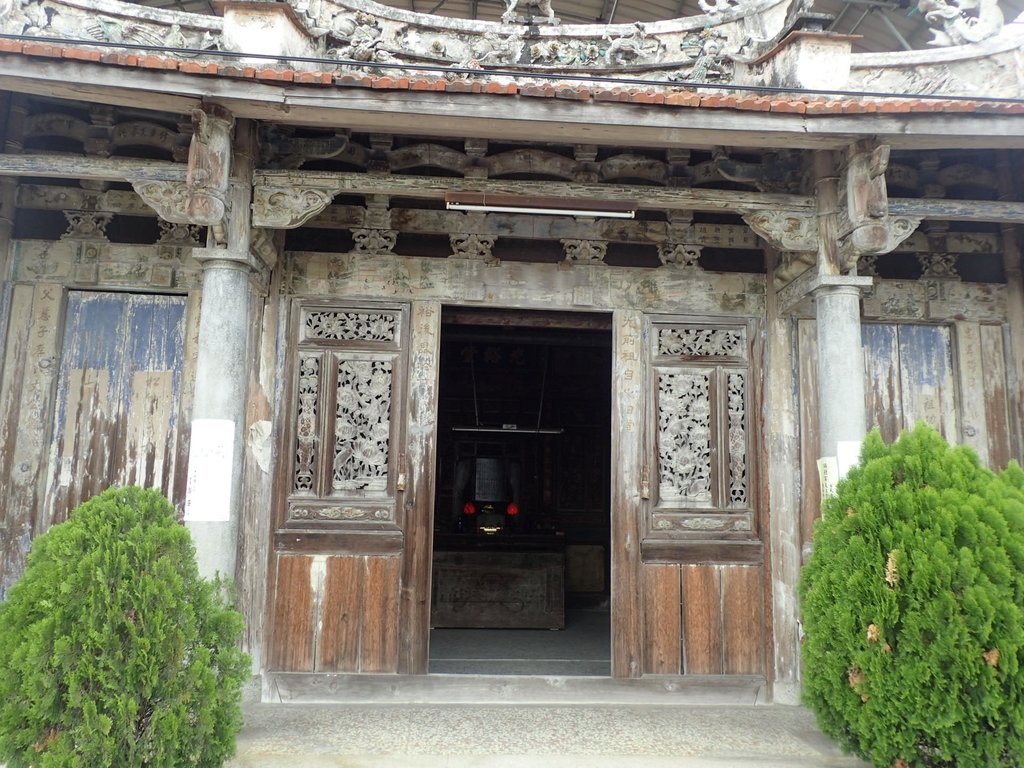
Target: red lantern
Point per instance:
(469, 508)
(513, 509)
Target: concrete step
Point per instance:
(509, 736)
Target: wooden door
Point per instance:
(700, 575)
(120, 416)
(338, 535)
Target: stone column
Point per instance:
(213, 498)
(218, 413)
(841, 410)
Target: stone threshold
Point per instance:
(331, 688)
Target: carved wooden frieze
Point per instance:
(299, 512)
(701, 342)
(524, 284)
(103, 264)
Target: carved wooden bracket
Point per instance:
(374, 240)
(785, 230)
(585, 251)
(680, 254)
(864, 225)
(202, 197)
(288, 207)
(468, 245)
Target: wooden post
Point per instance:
(782, 447)
(420, 482)
(628, 452)
(1008, 169)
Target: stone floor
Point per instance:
(582, 648)
(512, 736)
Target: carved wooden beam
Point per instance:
(792, 295)
(58, 166)
(434, 188)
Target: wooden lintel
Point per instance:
(61, 166)
(741, 551)
(958, 210)
(435, 188)
(339, 542)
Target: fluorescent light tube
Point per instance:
(452, 206)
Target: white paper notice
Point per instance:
(828, 476)
(210, 467)
(848, 454)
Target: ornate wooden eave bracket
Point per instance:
(853, 220)
(864, 225)
(202, 197)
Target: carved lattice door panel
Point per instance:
(700, 468)
(702, 572)
(338, 539)
(347, 461)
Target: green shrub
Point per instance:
(912, 608)
(113, 650)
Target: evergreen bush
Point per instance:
(113, 650)
(913, 608)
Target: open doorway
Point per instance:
(521, 577)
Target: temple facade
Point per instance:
(431, 325)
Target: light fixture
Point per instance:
(544, 206)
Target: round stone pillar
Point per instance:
(218, 415)
(841, 410)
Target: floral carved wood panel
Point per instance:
(702, 436)
(362, 425)
(346, 396)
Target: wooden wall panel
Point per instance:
(21, 423)
(293, 641)
(702, 619)
(743, 629)
(810, 450)
(338, 645)
(379, 631)
(926, 372)
(662, 620)
(971, 376)
(119, 404)
(997, 400)
(884, 391)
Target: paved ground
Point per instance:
(495, 736)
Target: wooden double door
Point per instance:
(351, 550)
